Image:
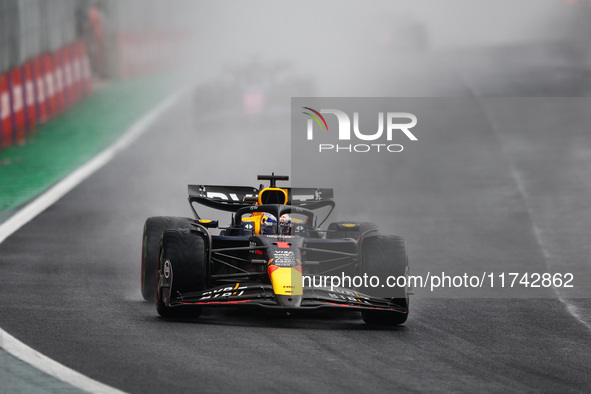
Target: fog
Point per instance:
(339, 41)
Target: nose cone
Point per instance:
(286, 280)
(289, 301)
(287, 285)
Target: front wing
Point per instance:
(261, 295)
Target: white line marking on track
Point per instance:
(572, 309)
(61, 188)
(51, 367)
(41, 203)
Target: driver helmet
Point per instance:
(284, 227)
(268, 224)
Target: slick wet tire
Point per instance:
(338, 230)
(184, 253)
(384, 256)
(153, 229)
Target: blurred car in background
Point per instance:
(254, 88)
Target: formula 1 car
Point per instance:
(273, 255)
(253, 88)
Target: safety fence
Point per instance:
(50, 51)
(42, 88)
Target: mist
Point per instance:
(342, 42)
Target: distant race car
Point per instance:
(273, 255)
(253, 88)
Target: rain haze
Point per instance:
(454, 135)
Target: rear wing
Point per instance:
(232, 198)
(224, 198)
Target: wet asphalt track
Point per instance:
(70, 278)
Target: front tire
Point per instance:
(182, 268)
(384, 256)
(153, 229)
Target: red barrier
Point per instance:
(40, 91)
(42, 88)
(68, 78)
(5, 112)
(58, 80)
(30, 98)
(15, 85)
(52, 106)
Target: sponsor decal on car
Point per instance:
(284, 258)
(166, 269)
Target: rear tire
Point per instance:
(384, 256)
(185, 252)
(153, 229)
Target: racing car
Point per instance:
(274, 254)
(253, 88)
